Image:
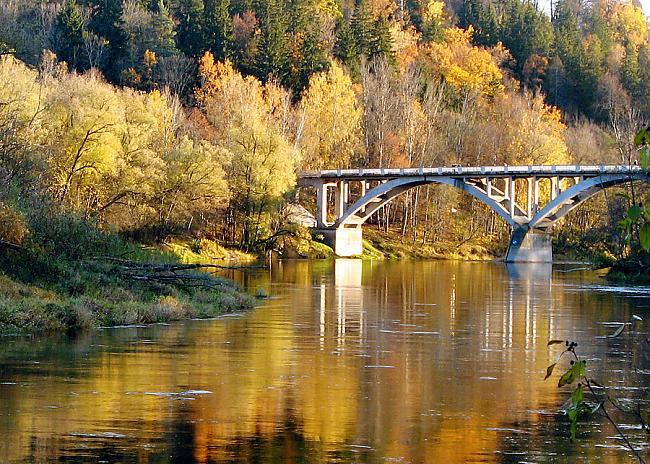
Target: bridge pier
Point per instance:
(345, 241)
(529, 246)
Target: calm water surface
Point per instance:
(348, 361)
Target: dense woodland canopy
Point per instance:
(193, 116)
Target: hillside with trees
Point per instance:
(192, 117)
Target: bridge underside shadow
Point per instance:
(514, 193)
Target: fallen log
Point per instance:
(172, 267)
(171, 274)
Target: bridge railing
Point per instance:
(453, 171)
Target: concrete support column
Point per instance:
(529, 198)
(510, 183)
(364, 188)
(529, 246)
(321, 205)
(341, 198)
(535, 195)
(345, 241)
(488, 186)
(555, 187)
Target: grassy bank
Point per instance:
(76, 296)
(63, 274)
(382, 245)
(634, 270)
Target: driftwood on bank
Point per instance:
(127, 263)
(172, 274)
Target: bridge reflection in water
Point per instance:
(348, 361)
(528, 285)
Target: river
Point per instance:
(347, 361)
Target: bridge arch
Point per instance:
(360, 211)
(568, 200)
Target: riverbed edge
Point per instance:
(40, 294)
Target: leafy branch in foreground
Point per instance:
(637, 220)
(578, 406)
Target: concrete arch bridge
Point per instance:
(499, 187)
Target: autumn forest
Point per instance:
(192, 117)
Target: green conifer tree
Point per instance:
(381, 41)
(345, 48)
(630, 71)
(189, 30)
(164, 33)
(69, 34)
(218, 28)
(105, 23)
(362, 27)
(273, 60)
(312, 58)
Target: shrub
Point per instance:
(69, 236)
(13, 227)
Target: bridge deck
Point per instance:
(482, 171)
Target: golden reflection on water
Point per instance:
(349, 361)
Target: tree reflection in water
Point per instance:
(348, 361)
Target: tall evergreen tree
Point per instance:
(105, 23)
(273, 56)
(189, 31)
(69, 34)
(570, 49)
(218, 28)
(526, 31)
(381, 41)
(163, 30)
(312, 58)
(470, 13)
(630, 71)
(345, 48)
(362, 27)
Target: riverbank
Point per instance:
(635, 272)
(378, 244)
(382, 245)
(44, 294)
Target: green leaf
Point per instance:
(646, 214)
(577, 370)
(644, 236)
(644, 158)
(634, 212)
(577, 396)
(555, 342)
(625, 224)
(642, 137)
(618, 332)
(577, 406)
(549, 370)
(574, 429)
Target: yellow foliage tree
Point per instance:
(245, 114)
(330, 120)
(85, 121)
(629, 23)
(463, 66)
(21, 122)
